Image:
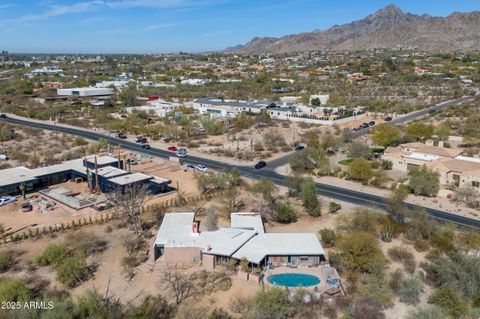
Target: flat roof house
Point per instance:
(179, 241)
(110, 176)
(85, 92)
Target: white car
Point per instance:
(182, 152)
(201, 168)
(3, 157)
(7, 200)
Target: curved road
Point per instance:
(334, 192)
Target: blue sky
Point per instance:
(156, 26)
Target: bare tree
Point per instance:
(211, 220)
(180, 286)
(129, 202)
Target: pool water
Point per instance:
(293, 280)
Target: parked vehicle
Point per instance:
(3, 157)
(388, 119)
(121, 135)
(132, 162)
(146, 146)
(189, 168)
(7, 200)
(201, 168)
(141, 139)
(26, 207)
(172, 148)
(260, 165)
(371, 123)
(432, 111)
(3, 116)
(182, 152)
(299, 148)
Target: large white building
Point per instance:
(85, 92)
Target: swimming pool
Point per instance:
(293, 280)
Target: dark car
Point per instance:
(121, 135)
(371, 123)
(432, 111)
(26, 207)
(132, 162)
(3, 116)
(299, 148)
(364, 125)
(388, 119)
(260, 165)
(141, 139)
(146, 146)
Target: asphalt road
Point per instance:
(333, 192)
(281, 161)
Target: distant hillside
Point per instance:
(387, 28)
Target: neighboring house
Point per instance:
(110, 176)
(454, 168)
(180, 242)
(220, 108)
(85, 92)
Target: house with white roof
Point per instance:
(180, 241)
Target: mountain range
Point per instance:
(387, 28)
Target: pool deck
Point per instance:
(318, 272)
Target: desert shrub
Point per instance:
(219, 314)
(450, 301)
(328, 237)
(53, 255)
(427, 312)
(13, 290)
(152, 307)
(421, 245)
(367, 309)
(6, 261)
(94, 305)
(375, 287)
(88, 243)
(73, 270)
(362, 220)
(403, 255)
(396, 280)
(411, 290)
(335, 260)
(334, 207)
(386, 165)
(308, 195)
(133, 244)
(285, 213)
(459, 272)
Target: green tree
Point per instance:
(360, 170)
(308, 195)
(359, 149)
(272, 303)
(360, 252)
(385, 135)
(285, 213)
(328, 237)
(419, 130)
(311, 160)
(294, 184)
(424, 181)
(53, 255)
(267, 189)
(396, 200)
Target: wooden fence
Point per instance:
(34, 232)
